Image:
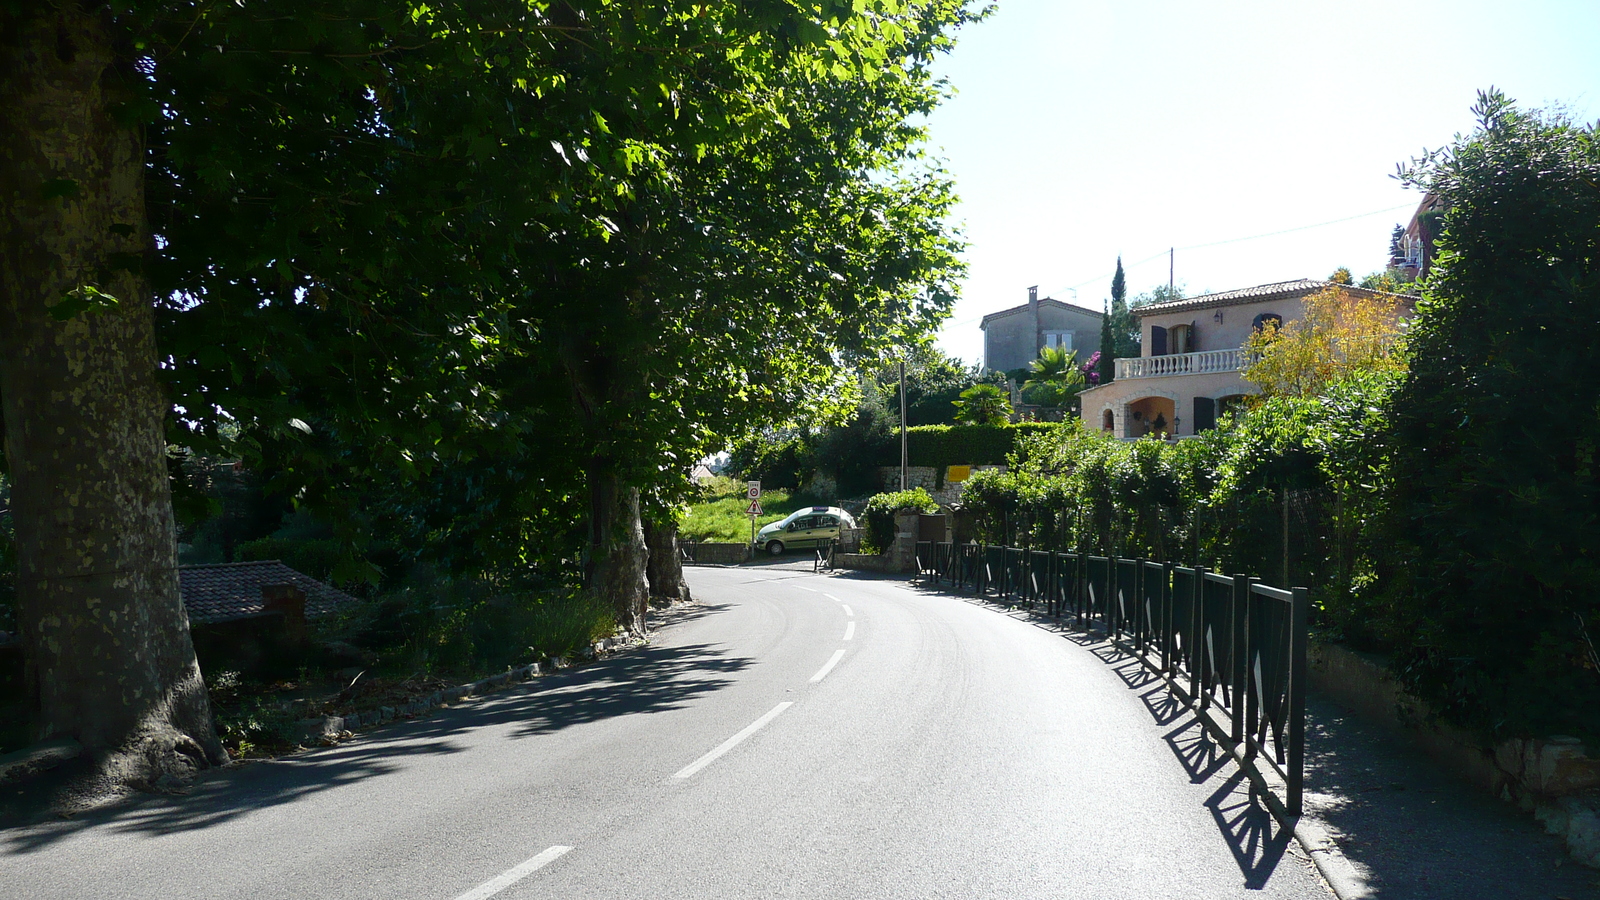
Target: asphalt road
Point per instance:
(794, 735)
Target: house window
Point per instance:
(1260, 321)
(1180, 339)
(1058, 340)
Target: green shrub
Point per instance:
(967, 445)
(317, 557)
(878, 516)
(781, 461)
(470, 625)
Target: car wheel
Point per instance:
(775, 548)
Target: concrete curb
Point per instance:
(1337, 870)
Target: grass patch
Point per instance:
(720, 516)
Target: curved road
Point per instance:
(794, 735)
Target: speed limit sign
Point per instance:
(753, 490)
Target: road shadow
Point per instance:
(646, 680)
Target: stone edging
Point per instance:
(329, 729)
(37, 758)
(41, 757)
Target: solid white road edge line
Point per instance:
(828, 667)
(732, 742)
(511, 876)
(850, 629)
(848, 611)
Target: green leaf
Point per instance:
(84, 299)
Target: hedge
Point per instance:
(966, 445)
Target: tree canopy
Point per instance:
(983, 404)
(460, 273)
(1495, 429)
(1055, 379)
(1338, 333)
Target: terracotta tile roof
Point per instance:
(1058, 304)
(225, 591)
(1261, 292)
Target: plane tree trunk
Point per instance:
(617, 553)
(665, 568)
(103, 627)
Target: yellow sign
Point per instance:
(956, 474)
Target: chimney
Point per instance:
(1038, 333)
(288, 601)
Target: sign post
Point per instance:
(753, 491)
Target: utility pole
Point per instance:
(1172, 264)
(903, 455)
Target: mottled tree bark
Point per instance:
(101, 619)
(617, 553)
(664, 570)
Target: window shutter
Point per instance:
(1205, 414)
(1158, 341)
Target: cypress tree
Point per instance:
(1112, 325)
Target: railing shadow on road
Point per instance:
(649, 679)
(1255, 838)
(1199, 755)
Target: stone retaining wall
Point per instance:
(1553, 777)
(708, 553)
(926, 477)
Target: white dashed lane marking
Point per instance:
(513, 875)
(828, 666)
(734, 741)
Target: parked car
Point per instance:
(808, 527)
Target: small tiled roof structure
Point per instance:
(1043, 301)
(226, 591)
(1261, 292)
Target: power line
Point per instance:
(1237, 240)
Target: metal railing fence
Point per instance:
(1230, 647)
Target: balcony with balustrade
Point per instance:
(1205, 362)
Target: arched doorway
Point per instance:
(1152, 415)
(1230, 404)
(1108, 421)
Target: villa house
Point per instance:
(1187, 372)
(1414, 247)
(1013, 337)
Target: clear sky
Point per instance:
(1083, 130)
